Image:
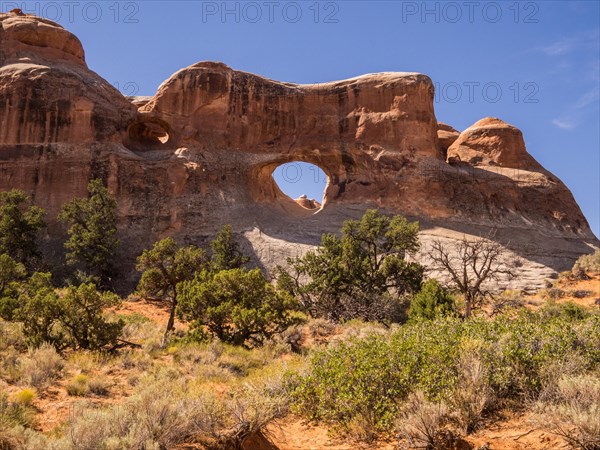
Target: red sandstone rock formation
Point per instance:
(201, 153)
(308, 203)
(446, 137)
(491, 141)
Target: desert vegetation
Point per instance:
(354, 337)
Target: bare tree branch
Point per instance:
(471, 266)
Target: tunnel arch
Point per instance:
(303, 182)
(267, 191)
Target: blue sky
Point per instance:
(532, 64)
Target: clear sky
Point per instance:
(532, 64)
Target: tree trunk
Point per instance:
(468, 305)
(171, 322)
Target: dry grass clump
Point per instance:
(359, 329)
(130, 359)
(14, 413)
(508, 299)
(320, 328)
(248, 411)
(88, 362)
(587, 263)
(145, 333)
(422, 423)
(9, 438)
(158, 415)
(553, 294)
(241, 362)
(472, 393)
(11, 336)
(40, 365)
(223, 361)
(573, 412)
(195, 353)
(78, 386)
(166, 410)
(82, 385)
(203, 361)
(291, 339)
(9, 365)
(21, 438)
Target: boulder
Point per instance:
(491, 141)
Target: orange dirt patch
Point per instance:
(156, 311)
(515, 433)
(591, 289)
(55, 406)
(292, 433)
(512, 433)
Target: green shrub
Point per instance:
(587, 263)
(11, 274)
(40, 311)
(24, 397)
(75, 321)
(78, 386)
(519, 350)
(568, 310)
(574, 311)
(237, 306)
(353, 380)
(81, 316)
(369, 377)
(431, 301)
(468, 364)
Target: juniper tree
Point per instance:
(166, 265)
(364, 273)
(20, 224)
(93, 240)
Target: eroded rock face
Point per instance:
(47, 93)
(200, 153)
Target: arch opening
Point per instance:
(303, 183)
(148, 134)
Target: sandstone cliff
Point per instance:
(201, 151)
